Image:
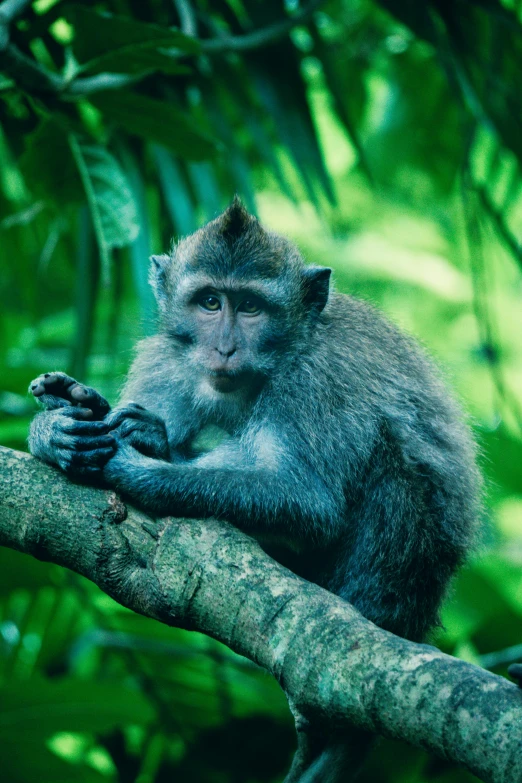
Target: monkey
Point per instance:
(330, 436)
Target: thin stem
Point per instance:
(502, 657)
(187, 18)
(10, 9)
(258, 38)
(27, 72)
(102, 81)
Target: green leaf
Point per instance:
(24, 760)
(286, 102)
(156, 121)
(101, 35)
(23, 571)
(109, 196)
(140, 250)
(175, 191)
(136, 61)
(48, 166)
(39, 707)
(503, 458)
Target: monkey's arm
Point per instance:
(290, 499)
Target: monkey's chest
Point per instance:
(209, 437)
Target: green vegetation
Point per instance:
(385, 138)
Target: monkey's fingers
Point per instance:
(130, 411)
(56, 389)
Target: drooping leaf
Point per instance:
(158, 121)
(175, 191)
(39, 707)
(109, 197)
(24, 760)
(53, 177)
(103, 40)
(286, 101)
(139, 250)
(135, 61)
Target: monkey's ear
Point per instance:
(316, 285)
(158, 277)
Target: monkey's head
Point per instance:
(237, 299)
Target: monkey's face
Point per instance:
(231, 332)
(236, 299)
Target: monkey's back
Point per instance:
(363, 386)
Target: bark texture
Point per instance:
(335, 666)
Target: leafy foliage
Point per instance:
(385, 138)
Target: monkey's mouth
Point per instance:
(225, 381)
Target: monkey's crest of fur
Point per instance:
(234, 221)
(235, 243)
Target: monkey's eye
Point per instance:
(249, 306)
(210, 302)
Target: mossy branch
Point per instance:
(334, 665)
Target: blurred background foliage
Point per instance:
(385, 138)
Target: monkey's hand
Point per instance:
(58, 390)
(146, 432)
(68, 437)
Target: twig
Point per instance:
(258, 38)
(513, 246)
(27, 72)
(502, 657)
(10, 9)
(187, 18)
(102, 81)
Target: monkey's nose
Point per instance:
(226, 353)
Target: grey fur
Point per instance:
(344, 454)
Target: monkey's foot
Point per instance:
(57, 390)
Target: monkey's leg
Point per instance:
(309, 746)
(58, 390)
(328, 758)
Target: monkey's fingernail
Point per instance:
(79, 393)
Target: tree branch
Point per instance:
(207, 576)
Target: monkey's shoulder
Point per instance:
(359, 324)
(388, 377)
(364, 348)
(364, 369)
